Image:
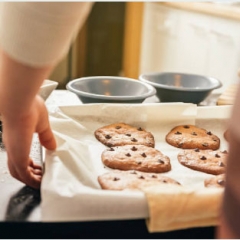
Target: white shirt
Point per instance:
(40, 33)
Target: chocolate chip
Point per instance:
(221, 164)
(217, 155)
(186, 126)
(108, 136)
(160, 161)
(134, 148)
(134, 140)
(180, 144)
(111, 149)
(116, 179)
(154, 176)
(194, 133)
(141, 177)
(164, 181)
(109, 145)
(118, 127)
(140, 129)
(144, 155)
(203, 158)
(221, 182)
(196, 150)
(128, 155)
(209, 133)
(205, 144)
(177, 133)
(139, 163)
(128, 134)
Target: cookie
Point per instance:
(208, 161)
(191, 137)
(216, 181)
(135, 180)
(119, 134)
(136, 157)
(226, 135)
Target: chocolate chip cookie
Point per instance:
(208, 161)
(136, 157)
(215, 181)
(119, 134)
(226, 135)
(135, 180)
(191, 137)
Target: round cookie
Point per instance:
(191, 137)
(208, 161)
(226, 135)
(134, 180)
(215, 181)
(119, 134)
(136, 157)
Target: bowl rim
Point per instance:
(151, 90)
(217, 82)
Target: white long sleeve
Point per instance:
(40, 33)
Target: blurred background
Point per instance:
(130, 38)
(98, 48)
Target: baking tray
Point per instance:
(70, 191)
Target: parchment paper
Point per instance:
(70, 191)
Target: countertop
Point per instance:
(20, 211)
(225, 10)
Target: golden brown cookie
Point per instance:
(208, 161)
(119, 134)
(215, 181)
(191, 137)
(135, 180)
(136, 157)
(226, 135)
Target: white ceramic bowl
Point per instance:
(46, 89)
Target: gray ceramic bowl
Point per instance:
(108, 89)
(181, 87)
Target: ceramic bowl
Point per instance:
(46, 88)
(181, 87)
(110, 89)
